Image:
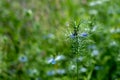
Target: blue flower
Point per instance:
(51, 36)
(23, 59)
(51, 73)
(51, 61)
(95, 52)
(32, 72)
(72, 36)
(83, 34)
(60, 71)
(98, 68)
(83, 69)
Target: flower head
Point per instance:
(60, 71)
(83, 69)
(83, 34)
(95, 52)
(23, 59)
(72, 36)
(51, 61)
(51, 36)
(98, 68)
(60, 57)
(51, 73)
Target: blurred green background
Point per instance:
(35, 32)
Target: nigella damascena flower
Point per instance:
(51, 73)
(83, 69)
(23, 59)
(83, 34)
(95, 52)
(72, 36)
(72, 67)
(60, 71)
(32, 72)
(98, 68)
(51, 61)
(52, 36)
(60, 57)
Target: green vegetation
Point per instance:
(59, 40)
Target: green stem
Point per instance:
(77, 45)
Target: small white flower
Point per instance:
(72, 67)
(83, 69)
(95, 52)
(113, 43)
(94, 28)
(60, 57)
(118, 30)
(94, 3)
(51, 61)
(33, 72)
(80, 58)
(112, 30)
(52, 36)
(93, 12)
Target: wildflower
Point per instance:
(83, 69)
(83, 34)
(60, 71)
(72, 36)
(95, 3)
(94, 28)
(60, 57)
(51, 73)
(72, 67)
(51, 61)
(23, 59)
(33, 72)
(51, 36)
(92, 47)
(80, 59)
(113, 43)
(118, 30)
(93, 12)
(112, 30)
(95, 52)
(98, 67)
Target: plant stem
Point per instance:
(77, 44)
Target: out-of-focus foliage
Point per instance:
(35, 39)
